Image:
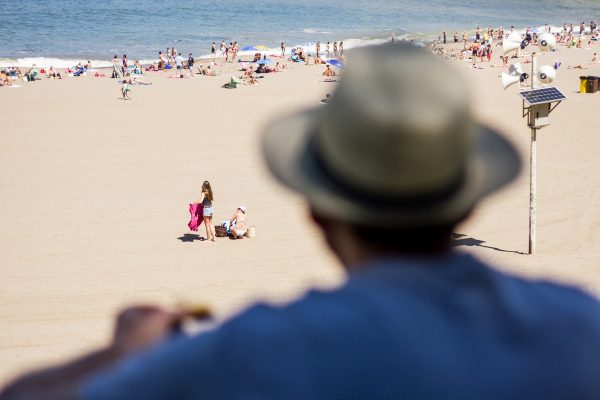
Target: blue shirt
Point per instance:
(449, 328)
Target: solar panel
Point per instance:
(541, 96)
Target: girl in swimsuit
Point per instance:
(206, 199)
(237, 222)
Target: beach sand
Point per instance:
(95, 193)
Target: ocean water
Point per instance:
(64, 31)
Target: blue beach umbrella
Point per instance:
(249, 48)
(263, 61)
(336, 63)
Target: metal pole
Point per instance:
(533, 69)
(532, 167)
(532, 191)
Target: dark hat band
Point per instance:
(367, 197)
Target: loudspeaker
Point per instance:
(509, 80)
(509, 46)
(515, 69)
(514, 37)
(547, 42)
(546, 74)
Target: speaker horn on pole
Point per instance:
(546, 74)
(547, 42)
(509, 80)
(509, 46)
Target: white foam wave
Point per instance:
(46, 62)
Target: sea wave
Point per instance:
(45, 62)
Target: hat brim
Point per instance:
(492, 163)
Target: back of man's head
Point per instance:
(395, 150)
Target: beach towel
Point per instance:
(196, 213)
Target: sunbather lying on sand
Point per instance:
(206, 71)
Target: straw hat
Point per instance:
(396, 145)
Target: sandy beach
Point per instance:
(95, 193)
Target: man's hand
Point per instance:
(137, 328)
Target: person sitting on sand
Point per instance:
(138, 68)
(5, 80)
(206, 71)
(31, 74)
(88, 65)
(52, 73)
(329, 71)
(249, 79)
(309, 60)
(238, 227)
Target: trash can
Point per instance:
(592, 84)
(583, 80)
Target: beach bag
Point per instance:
(251, 231)
(220, 231)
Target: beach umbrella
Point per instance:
(249, 48)
(335, 63)
(263, 61)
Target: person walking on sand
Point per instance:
(282, 49)
(234, 51)
(327, 50)
(124, 65)
(213, 50)
(341, 49)
(191, 65)
(222, 48)
(318, 48)
(335, 50)
(179, 66)
(206, 199)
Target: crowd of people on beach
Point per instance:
(477, 47)
(484, 42)
(172, 60)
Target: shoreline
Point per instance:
(104, 61)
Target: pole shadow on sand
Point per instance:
(191, 237)
(458, 239)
